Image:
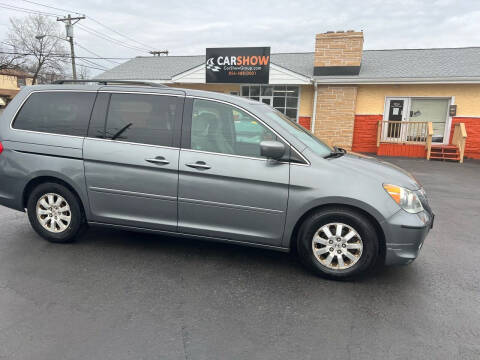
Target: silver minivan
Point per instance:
(206, 165)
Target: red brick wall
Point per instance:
(305, 121)
(472, 125)
(416, 151)
(365, 133)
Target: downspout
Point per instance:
(314, 115)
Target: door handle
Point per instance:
(199, 165)
(159, 160)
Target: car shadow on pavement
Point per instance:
(177, 250)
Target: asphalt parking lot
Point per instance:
(120, 295)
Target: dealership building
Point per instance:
(372, 101)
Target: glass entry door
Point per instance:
(396, 113)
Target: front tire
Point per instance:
(55, 213)
(338, 243)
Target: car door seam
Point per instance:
(226, 205)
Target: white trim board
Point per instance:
(394, 81)
(278, 76)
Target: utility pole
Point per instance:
(69, 29)
(160, 52)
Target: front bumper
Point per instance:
(405, 234)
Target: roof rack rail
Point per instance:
(106, 82)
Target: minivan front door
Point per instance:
(226, 189)
(131, 160)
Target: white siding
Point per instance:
(278, 76)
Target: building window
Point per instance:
(21, 81)
(284, 98)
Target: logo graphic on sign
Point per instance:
(211, 65)
(238, 65)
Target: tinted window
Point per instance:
(96, 128)
(225, 129)
(145, 119)
(64, 113)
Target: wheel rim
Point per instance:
(337, 246)
(53, 213)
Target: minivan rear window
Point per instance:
(143, 119)
(59, 112)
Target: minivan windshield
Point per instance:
(302, 134)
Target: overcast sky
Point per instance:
(186, 27)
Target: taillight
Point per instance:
(1, 148)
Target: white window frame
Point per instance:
(271, 96)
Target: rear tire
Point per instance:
(55, 213)
(338, 243)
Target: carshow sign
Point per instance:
(238, 65)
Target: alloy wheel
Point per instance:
(337, 246)
(53, 213)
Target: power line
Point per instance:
(92, 19)
(25, 10)
(93, 63)
(99, 56)
(67, 56)
(89, 30)
(51, 7)
(142, 46)
(118, 33)
(92, 67)
(107, 38)
(100, 67)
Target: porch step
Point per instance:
(444, 152)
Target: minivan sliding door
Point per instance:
(131, 159)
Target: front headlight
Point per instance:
(407, 199)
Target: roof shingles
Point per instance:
(376, 64)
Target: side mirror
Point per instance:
(272, 149)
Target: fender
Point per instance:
(78, 185)
(293, 221)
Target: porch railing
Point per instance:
(428, 145)
(460, 138)
(405, 132)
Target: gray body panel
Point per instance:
(238, 199)
(125, 189)
(30, 155)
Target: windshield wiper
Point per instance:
(337, 152)
(121, 131)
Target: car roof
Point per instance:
(235, 99)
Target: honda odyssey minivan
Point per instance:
(205, 165)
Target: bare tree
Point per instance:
(83, 73)
(40, 38)
(9, 59)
